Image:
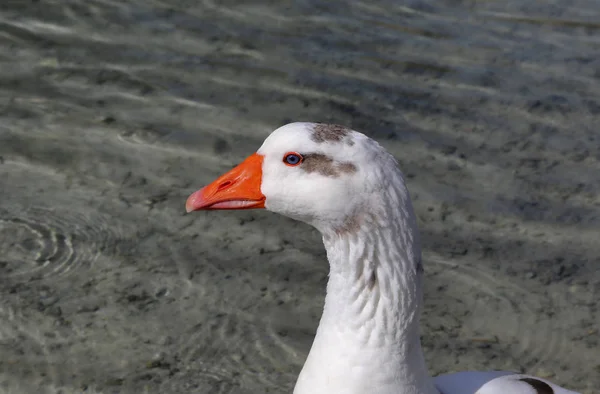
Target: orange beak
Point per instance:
(236, 189)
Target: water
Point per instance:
(114, 111)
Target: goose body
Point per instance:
(350, 188)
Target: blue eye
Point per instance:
(292, 159)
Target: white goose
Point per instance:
(350, 188)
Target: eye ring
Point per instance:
(292, 159)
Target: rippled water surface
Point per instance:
(114, 111)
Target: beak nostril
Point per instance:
(224, 185)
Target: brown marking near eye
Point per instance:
(539, 386)
(322, 164)
(323, 132)
(325, 165)
(347, 167)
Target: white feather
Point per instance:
(368, 337)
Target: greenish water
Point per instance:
(114, 111)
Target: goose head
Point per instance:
(324, 175)
(350, 188)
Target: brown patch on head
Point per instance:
(372, 281)
(324, 132)
(325, 165)
(539, 386)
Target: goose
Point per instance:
(352, 191)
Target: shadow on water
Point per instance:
(114, 111)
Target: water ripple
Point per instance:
(498, 311)
(18, 338)
(40, 243)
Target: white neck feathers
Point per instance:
(368, 337)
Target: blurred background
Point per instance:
(114, 111)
